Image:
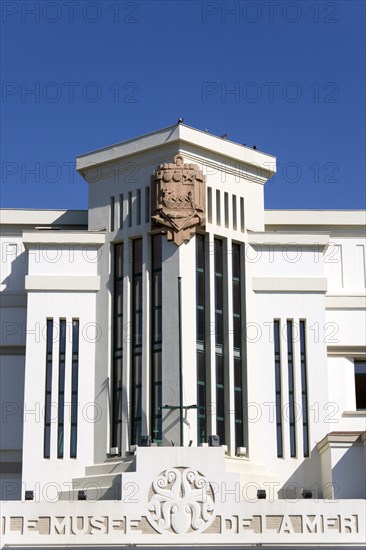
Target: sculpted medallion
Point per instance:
(181, 501)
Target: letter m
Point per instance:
(58, 525)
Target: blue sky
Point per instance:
(287, 76)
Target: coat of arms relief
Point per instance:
(178, 199)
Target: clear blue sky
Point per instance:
(286, 76)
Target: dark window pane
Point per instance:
(200, 288)
(239, 438)
(118, 338)
(219, 329)
(200, 338)
(360, 383)
(236, 260)
(291, 389)
(136, 315)
(304, 390)
(237, 332)
(47, 442)
(219, 336)
(218, 255)
(156, 291)
(118, 295)
(236, 297)
(48, 390)
(220, 428)
(220, 403)
(201, 367)
(218, 293)
(237, 373)
(117, 373)
(200, 251)
(156, 337)
(156, 251)
(74, 388)
(277, 361)
(219, 369)
(200, 314)
(137, 256)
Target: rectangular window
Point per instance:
(61, 389)
(242, 224)
(291, 388)
(226, 208)
(136, 363)
(237, 338)
(360, 385)
(209, 204)
(138, 207)
(111, 217)
(201, 339)
(117, 347)
(235, 219)
(147, 204)
(219, 339)
(156, 338)
(129, 209)
(74, 387)
(121, 211)
(48, 390)
(218, 207)
(277, 358)
(304, 390)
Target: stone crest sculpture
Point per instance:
(178, 199)
(181, 501)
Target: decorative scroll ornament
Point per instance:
(178, 199)
(181, 501)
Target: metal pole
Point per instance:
(180, 361)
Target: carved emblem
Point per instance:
(181, 501)
(178, 199)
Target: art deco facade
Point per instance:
(176, 308)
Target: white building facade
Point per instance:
(176, 309)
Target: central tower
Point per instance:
(176, 205)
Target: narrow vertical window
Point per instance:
(136, 364)
(242, 224)
(147, 204)
(291, 388)
(235, 219)
(117, 347)
(74, 387)
(121, 211)
(129, 209)
(61, 389)
(226, 208)
(111, 216)
(138, 207)
(277, 358)
(219, 340)
(201, 339)
(304, 390)
(48, 390)
(238, 359)
(209, 204)
(156, 339)
(218, 207)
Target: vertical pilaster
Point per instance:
(170, 338)
(146, 333)
(211, 382)
(187, 261)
